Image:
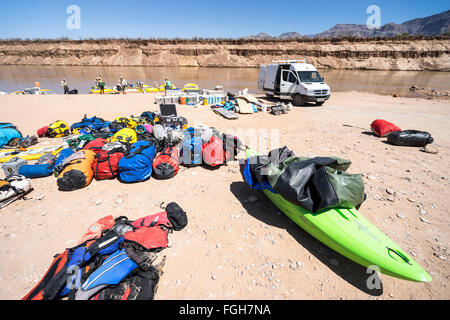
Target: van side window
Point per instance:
(292, 78)
(286, 75)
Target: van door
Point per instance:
(261, 77)
(289, 84)
(278, 78)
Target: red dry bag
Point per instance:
(382, 127)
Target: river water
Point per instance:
(15, 78)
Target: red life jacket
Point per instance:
(96, 145)
(57, 266)
(213, 152)
(149, 237)
(106, 164)
(157, 219)
(95, 230)
(167, 164)
(151, 231)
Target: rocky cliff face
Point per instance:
(371, 54)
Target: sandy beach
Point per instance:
(235, 247)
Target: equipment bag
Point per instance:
(79, 142)
(58, 129)
(12, 166)
(47, 158)
(96, 145)
(382, 127)
(63, 155)
(36, 170)
(14, 188)
(130, 123)
(77, 173)
(106, 164)
(231, 146)
(42, 132)
(136, 165)
(410, 138)
(213, 152)
(125, 136)
(91, 124)
(28, 141)
(167, 163)
(191, 152)
(8, 133)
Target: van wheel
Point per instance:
(320, 103)
(270, 96)
(298, 100)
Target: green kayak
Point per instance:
(349, 233)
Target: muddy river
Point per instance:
(14, 78)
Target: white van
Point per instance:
(293, 79)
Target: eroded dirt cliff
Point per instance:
(371, 54)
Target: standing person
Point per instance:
(65, 86)
(123, 84)
(140, 86)
(168, 84)
(101, 85)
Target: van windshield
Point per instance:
(309, 76)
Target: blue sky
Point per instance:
(201, 18)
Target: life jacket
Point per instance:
(213, 152)
(104, 258)
(151, 232)
(77, 173)
(106, 164)
(96, 229)
(382, 127)
(55, 283)
(125, 136)
(139, 286)
(173, 217)
(136, 165)
(96, 145)
(167, 164)
(57, 266)
(113, 270)
(58, 129)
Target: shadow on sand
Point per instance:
(275, 100)
(265, 211)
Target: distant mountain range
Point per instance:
(434, 25)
